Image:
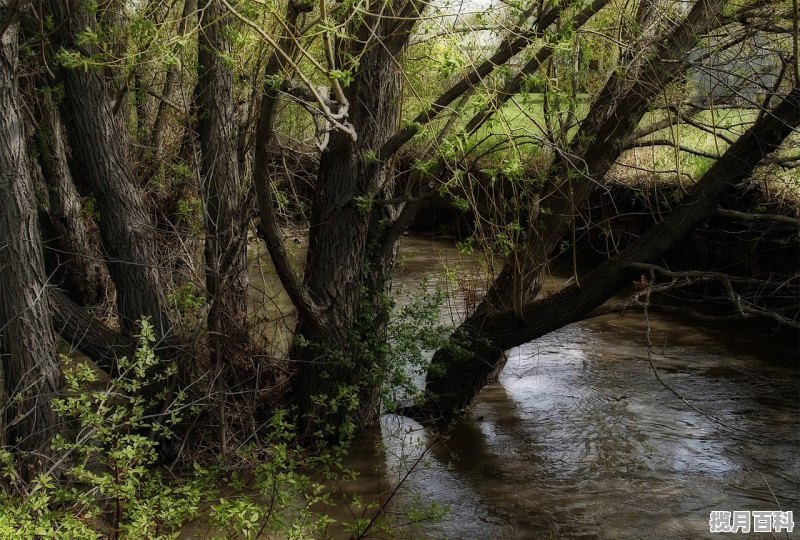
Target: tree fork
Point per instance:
(99, 144)
(85, 274)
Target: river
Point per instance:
(579, 438)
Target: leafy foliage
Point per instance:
(111, 484)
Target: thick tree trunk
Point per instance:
(99, 149)
(341, 300)
(223, 193)
(85, 275)
(338, 373)
(454, 380)
(30, 365)
(337, 269)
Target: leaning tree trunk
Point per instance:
(223, 193)
(99, 145)
(30, 366)
(453, 382)
(601, 138)
(85, 276)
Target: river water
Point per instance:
(579, 438)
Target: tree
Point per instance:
(85, 276)
(456, 380)
(30, 367)
(99, 144)
(225, 215)
(579, 169)
(171, 111)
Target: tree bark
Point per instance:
(170, 81)
(99, 148)
(86, 333)
(30, 365)
(85, 276)
(454, 380)
(338, 248)
(223, 193)
(342, 297)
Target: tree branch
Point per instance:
(280, 63)
(85, 333)
(743, 216)
(454, 380)
(512, 45)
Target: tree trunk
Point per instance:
(30, 365)
(338, 376)
(170, 82)
(99, 149)
(455, 380)
(85, 276)
(338, 251)
(600, 140)
(223, 193)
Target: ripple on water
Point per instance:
(579, 439)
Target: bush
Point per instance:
(106, 481)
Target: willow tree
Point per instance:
(656, 62)
(577, 172)
(100, 146)
(340, 300)
(215, 124)
(31, 374)
(356, 220)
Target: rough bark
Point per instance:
(30, 365)
(223, 194)
(170, 82)
(335, 300)
(99, 149)
(85, 275)
(455, 380)
(339, 238)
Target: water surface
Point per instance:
(579, 438)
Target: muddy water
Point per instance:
(579, 438)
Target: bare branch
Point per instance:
(511, 46)
(772, 218)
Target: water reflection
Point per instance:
(579, 438)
